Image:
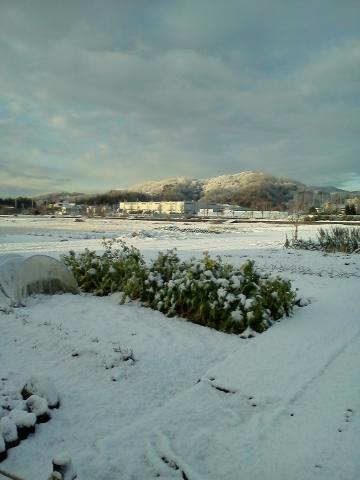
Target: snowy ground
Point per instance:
(291, 405)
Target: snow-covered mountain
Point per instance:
(172, 188)
(246, 188)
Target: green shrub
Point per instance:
(335, 239)
(109, 272)
(207, 291)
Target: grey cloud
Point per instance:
(197, 88)
(22, 177)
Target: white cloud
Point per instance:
(58, 121)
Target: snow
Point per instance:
(8, 429)
(62, 463)
(37, 405)
(195, 402)
(42, 386)
(21, 418)
(62, 459)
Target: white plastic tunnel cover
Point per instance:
(21, 277)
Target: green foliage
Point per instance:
(20, 203)
(350, 209)
(109, 272)
(311, 218)
(335, 239)
(340, 239)
(207, 291)
(312, 211)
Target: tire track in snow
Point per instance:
(165, 461)
(320, 372)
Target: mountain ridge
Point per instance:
(248, 188)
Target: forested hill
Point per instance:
(245, 188)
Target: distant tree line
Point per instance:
(20, 203)
(350, 209)
(169, 193)
(113, 197)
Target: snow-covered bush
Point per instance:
(335, 239)
(340, 239)
(38, 406)
(217, 294)
(18, 417)
(63, 467)
(207, 291)
(8, 432)
(42, 387)
(106, 273)
(24, 421)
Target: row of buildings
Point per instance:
(192, 208)
(186, 209)
(180, 209)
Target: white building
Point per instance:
(242, 213)
(268, 214)
(63, 208)
(159, 208)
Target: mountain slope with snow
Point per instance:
(245, 188)
(171, 188)
(248, 188)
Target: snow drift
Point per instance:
(21, 277)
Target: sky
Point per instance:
(96, 95)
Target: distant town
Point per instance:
(306, 204)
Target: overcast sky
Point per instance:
(104, 94)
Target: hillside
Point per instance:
(249, 189)
(58, 196)
(177, 188)
(245, 188)
(332, 189)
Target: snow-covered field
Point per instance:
(195, 404)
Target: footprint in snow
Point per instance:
(348, 414)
